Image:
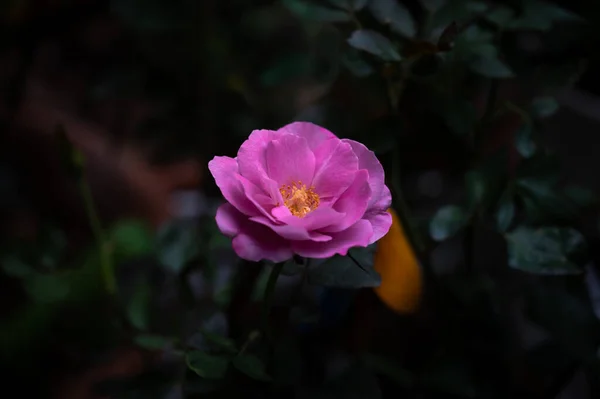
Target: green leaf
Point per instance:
(540, 15)
(374, 43)
(15, 267)
(524, 142)
(491, 68)
(544, 107)
(506, 211)
(286, 68)
(501, 16)
(389, 368)
(309, 11)
(47, 288)
(152, 342)
(545, 250)
(138, 310)
(460, 116)
(355, 64)
(131, 238)
(220, 342)
(580, 196)
(252, 366)
(476, 184)
(447, 221)
(458, 11)
(349, 4)
(394, 14)
(178, 243)
(342, 272)
(207, 366)
(542, 197)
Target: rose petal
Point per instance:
(383, 203)
(336, 171)
(313, 134)
(290, 232)
(251, 157)
(317, 219)
(264, 203)
(367, 160)
(290, 160)
(252, 241)
(353, 202)
(381, 223)
(225, 170)
(357, 235)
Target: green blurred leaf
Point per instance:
(47, 288)
(349, 4)
(152, 342)
(476, 184)
(389, 368)
(131, 238)
(524, 141)
(354, 63)
(501, 15)
(491, 68)
(580, 196)
(207, 366)
(460, 115)
(542, 197)
(252, 366)
(505, 212)
(341, 271)
(545, 250)
(458, 11)
(447, 221)
(138, 309)
(286, 68)
(15, 267)
(544, 107)
(218, 341)
(394, 14)
(374, 43)
(178, 243)
(540, 15)
(310, 11)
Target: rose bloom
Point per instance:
(301, 190)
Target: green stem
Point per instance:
(106, 263)
(269, 293)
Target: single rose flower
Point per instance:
(301, 190)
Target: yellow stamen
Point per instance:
(299, 199)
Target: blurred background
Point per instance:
(485, 115)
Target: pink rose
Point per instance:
(301, 190)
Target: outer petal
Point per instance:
(336, 171)
(383, 203)
(353, 202)
(290, 160)
(225, 170)
(252, 241)
(367, 160)
(251, 157)
(313, 134)
(261, 200)
(357, 235)
(291, 232)
(380, 223)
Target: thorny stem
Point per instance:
(269, 293)
(106, 263)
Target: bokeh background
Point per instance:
(485, 115)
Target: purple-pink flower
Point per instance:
(301, 190)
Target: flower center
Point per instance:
(299, 199)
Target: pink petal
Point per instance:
(261, 200)
(336, 170)
(290, 160)
(367, 160)
(313, 134)
(252, 241)
(225, 170)
(291, 232)
(251, 157)
(381, 223)
(317, 219)
(353, 202)
(357, 235)
(383, 203)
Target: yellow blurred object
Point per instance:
(401, 278)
